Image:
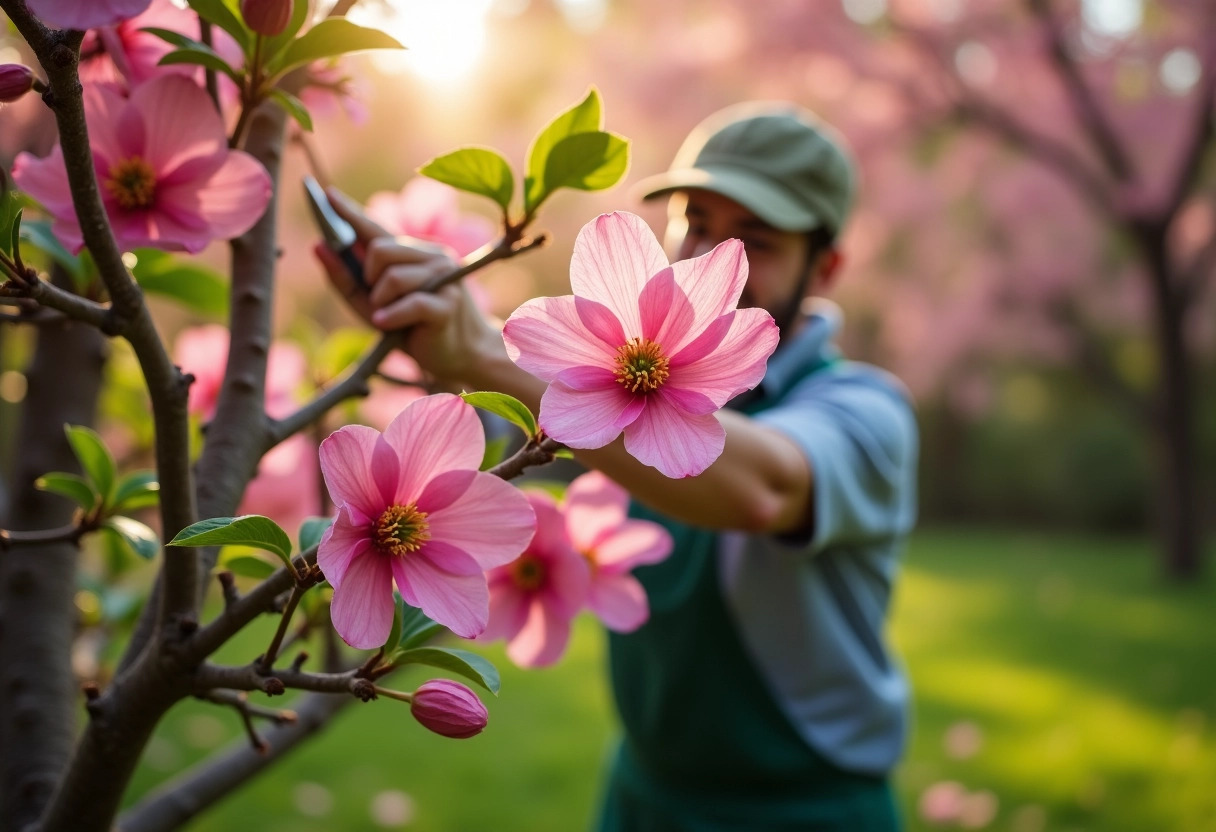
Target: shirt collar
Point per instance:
(811, 345)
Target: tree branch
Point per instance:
(250, 677)
(530, 455)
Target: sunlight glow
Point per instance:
(444, 41)
(1112, 18)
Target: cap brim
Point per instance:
(767, 201)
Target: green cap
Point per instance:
(775, 159)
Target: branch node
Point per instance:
(273, 686)
(363, 689)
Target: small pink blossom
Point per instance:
(429, 210)
(942, 803)
(329, 87)
(449, 708)
(75, 14)
(266, 17)
(533, 599)
(15, 81)
(412, 507)
(643, 348)
(167, 177)
(600, 529)
(202, 351)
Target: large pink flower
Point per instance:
(167, 177)
(597, 523)
(533, 599)
(412, 507)
(429, 210)
(643, 347)
(75, 14)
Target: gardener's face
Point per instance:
(698, 220)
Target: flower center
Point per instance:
(133, 183)
(401, 530)
(641, 365)
(528, 572)
(589, 556)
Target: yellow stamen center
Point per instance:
(641, 365)
(401, 530)
(133, 183)
(589, 556)
(528, 572)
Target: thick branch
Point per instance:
(73, 306)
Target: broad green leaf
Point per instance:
(10, 219)
(219, 13)
(508, 407)
(38, 234)
(272, 47)
(583, 117)
(95, 459)
(202, 55)
(294, 107)
(417, 628)
(142, 540)
(478, 170)
(496, 449)
(250, 530)
(171, 37)
(587, 162)
(330, 38)
(73, 487)
(13, 237)
(139, 489)
(469, 665)
(197, 287)
(312, 529)
(240, 561)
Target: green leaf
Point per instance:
(583, 117)
(239, 560)
(203, 56)
(38, 234)
(250, 530)
(478, 170)
(94, 458)
(312, 529)
(219, 13)
(587, 162)
(399, 613)
(496, 449)
(172, 37)
(273, 47)
(330, 38)
(416, 628)
(342, 348)
(142, 540)
(294, 107)
(469, 665)
(508, 407)
(191, 284)
(72, 486)
(139, 489)
(10, 236)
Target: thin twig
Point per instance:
(530, 455)
(272, 652)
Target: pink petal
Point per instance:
(713, 281)
(106, 114)
(344, 541)
(587, 418)
(677, 444)
(543, 639)
(688, 401)
(666, 313)
(227, 202)
(386, 471)
(614, 255)
(619, 601)
(346, 464)
(588, 378)
(634, 543)
(444, 490)
(600, 321)
(432, 435)
(569, 579)
(508, 608)
(46, 180)
(594, 505)
(546, 336)
(362, 609)
(706, 342)
(550, 543)
(738, 362)
(492, 521)
(74, 14)
(460, 602)
(180, 124)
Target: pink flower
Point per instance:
(449, 708)
(429, 210)
(533, 599)
(412, 507)
(167, 177)
(613, 544)
(202, 351)
(266, 17)
(643, 347)
(329, 87)
(74, 14)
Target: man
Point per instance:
(760, 694)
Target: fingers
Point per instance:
(417, 309)
(352, 212)
(343, 282)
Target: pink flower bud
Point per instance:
(449, 708)
(15, 81)
(266, 17)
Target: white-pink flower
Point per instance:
(429, 210)
(534, 598)
(167, 177)
(597, 521)
(413, 508)
(643, 348)
(77, 14)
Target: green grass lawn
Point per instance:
(1058, 681)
